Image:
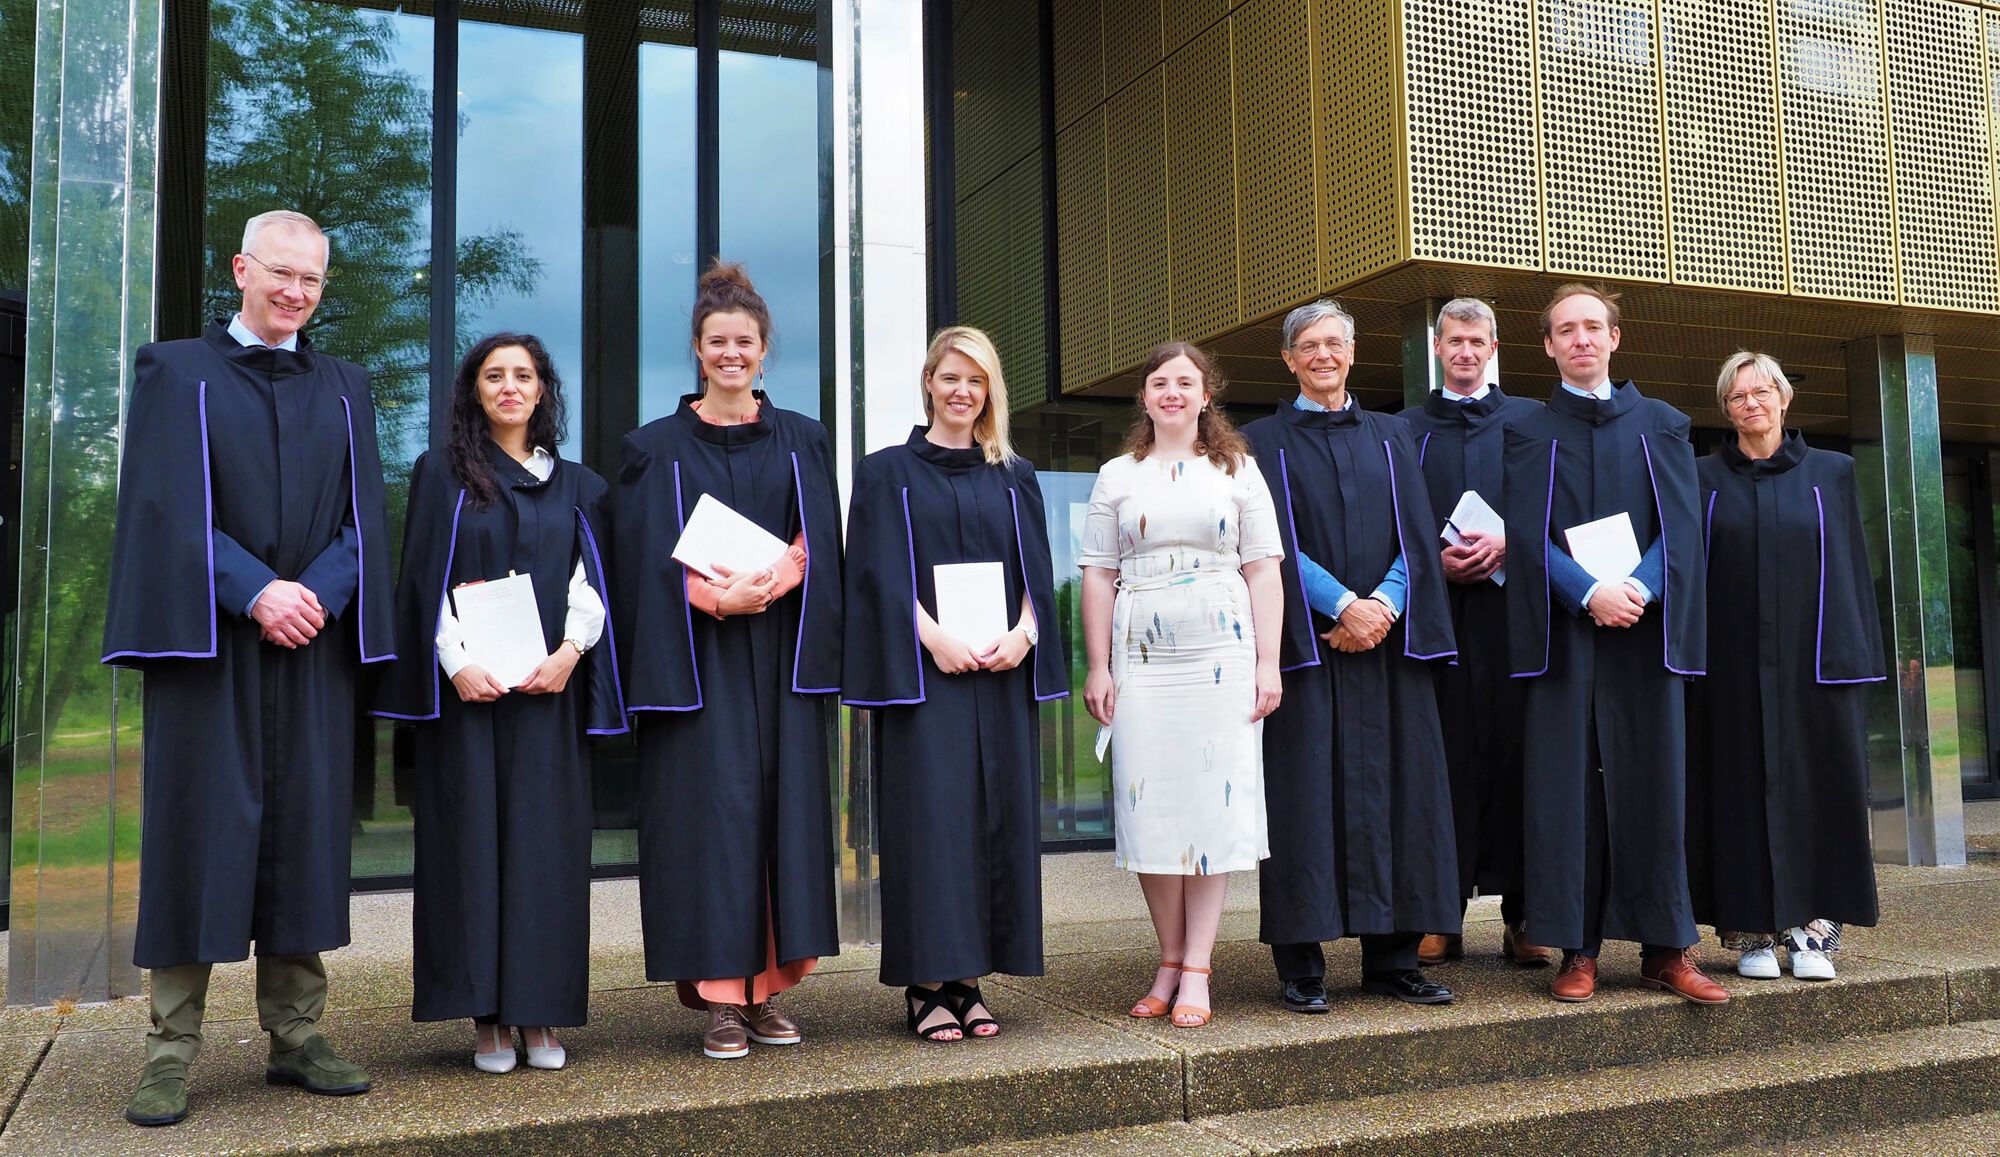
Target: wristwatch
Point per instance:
(1033, 636)
(580, 648)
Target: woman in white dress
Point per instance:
(1181, 610)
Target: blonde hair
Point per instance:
(255, 226)
(1764, 365)
(989, 429)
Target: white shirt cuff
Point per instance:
(1345, 601)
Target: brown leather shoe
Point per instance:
(768, 1026)
(728, 1037)
(1577, 982)
(1437, 948)
(1514, 947)
(1679, 975)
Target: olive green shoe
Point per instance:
(161, 1098)
(314, 1067)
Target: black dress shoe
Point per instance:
(1308, 995)
(1407, 985)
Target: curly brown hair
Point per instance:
(1215, 436)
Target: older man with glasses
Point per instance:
(250, 582)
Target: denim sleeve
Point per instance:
(1395, 586)
(1573, 584)
(1324, 593)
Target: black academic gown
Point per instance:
(502, 790)
(1778, 757)
(957, 757)
(734, 800)
(1460, 446)
(1605, 854)
(1354, 764)
(242, 465)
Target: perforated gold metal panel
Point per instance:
(1278, 218)
(1082, 254)
(1603, 177)
(1474, 175)
(1025, 358)
(1837, 196)
(1077, 58)
(1201, 188)
(983, 261)
(1136, 163)
(1727, 200)
(1359, 77)
(1132, 43)
(1939, 137)
(997, 81)
(1993, 113)
(1183, 20)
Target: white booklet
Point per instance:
(972, 602)
(1606, 548)
(1474, 514)
(716, 536)
(503, 627)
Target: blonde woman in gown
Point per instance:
(1181, 610)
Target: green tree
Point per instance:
(17, 96)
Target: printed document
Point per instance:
(716, 536)
(1472, 514)
(1606, 548)
(503, 627)
(972, 602)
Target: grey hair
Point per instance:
(1470, 310)
(255, 226)
(1764, 365)
(1306, 316)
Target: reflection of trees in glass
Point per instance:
(17, 88)
(307, 110)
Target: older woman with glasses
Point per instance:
(1778, 848)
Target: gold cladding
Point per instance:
(1201, 188)
(1939, 132)
(983, 282)
(1027, 359)
(1183, 20)
(1601, 157)
(1993, 115)
(1837, 195)
(1277, 218)
(1722, 144)
(1136, 169)
(1131, 41)
(1082, 270)
(1358, 78)
(996, 78)
(1474, 195)
(1078, 59)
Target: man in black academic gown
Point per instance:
(250, 582)
(1604, 647)
(1354, 764)
(1459, 432)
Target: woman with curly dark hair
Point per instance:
(502, 791)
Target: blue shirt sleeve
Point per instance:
(333, 576)
(239, 576)
(1651, 573)
(1324, 593)
(1395, 585)
(1572, 583)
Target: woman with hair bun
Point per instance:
(957, 735)
(502, 800)
(733, 681)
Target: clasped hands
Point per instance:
(955, 656)
(1616, 605)
(1361, 627)
(477, 685)
(288, 614)
(1475, 560)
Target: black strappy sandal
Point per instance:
(963, 997)
(918, 1004)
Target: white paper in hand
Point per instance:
(972, 602)
(716, 536)
(1606, 548)
(503, 627)
(1474, 514)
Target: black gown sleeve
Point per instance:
(1298, 643)
(411, 686)
(1426, 621)
(1031, 536)
(368, 512)
(604, 697)
(1528, 470)
(1850, 648)
(648, 588)
(1684, 597)
(883, 659)
(816, 659)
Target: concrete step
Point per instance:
(1901, 1086)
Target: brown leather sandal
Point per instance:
(1181, 1010)
(1150, 1007)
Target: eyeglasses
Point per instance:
(1313, 349)
(310, 282)
(1765, 396)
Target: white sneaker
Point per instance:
(1810, 964)
(1760, 964)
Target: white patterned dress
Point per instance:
(1187, 762)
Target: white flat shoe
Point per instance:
(502, 1059)
(1809, 964)
(546, 1056)
(1759, 964)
